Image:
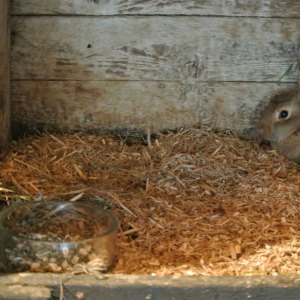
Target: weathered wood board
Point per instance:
(89, 73)
(4, 73)
(158, 48)
(128, 287)
(92, 105)
(89, 64)
(266, 8)
(14, 292)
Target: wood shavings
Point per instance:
(194, 202)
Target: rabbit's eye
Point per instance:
(283, 114)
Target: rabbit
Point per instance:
(280, 123)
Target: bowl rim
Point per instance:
(4, 212)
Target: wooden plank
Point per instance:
(266, 8)
(154, 48)
(127, 287)
(24, 292)
(111, 280)
(154, 105)
(4, 73)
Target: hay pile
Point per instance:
(196, 202)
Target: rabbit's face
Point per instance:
(281, 117)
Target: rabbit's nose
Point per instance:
(265, 130)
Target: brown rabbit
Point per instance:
(280, 123)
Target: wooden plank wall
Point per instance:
(90, 64)
(4, 73)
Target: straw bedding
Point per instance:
(194, 202)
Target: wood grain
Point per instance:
(4, 73)
(177, 66)
(128, 287)
(266, 8)
(24, 292)
(154, 48)
(154, 105)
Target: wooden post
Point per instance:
(4, 73)
(298, 68)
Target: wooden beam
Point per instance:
(4, 73)
(160, 48)
(24, 292)
(128, 287)
(154, 105)
(266, 8)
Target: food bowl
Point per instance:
(56, 236)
